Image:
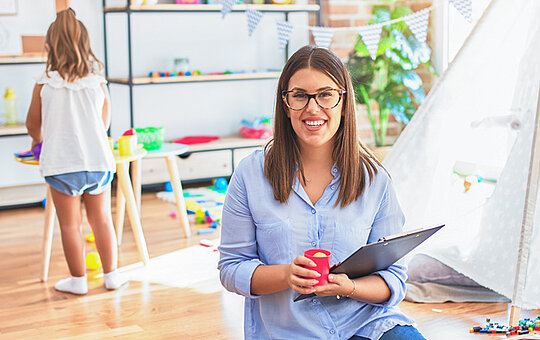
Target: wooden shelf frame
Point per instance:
(13, 130)
(21, 60)
(212, 8)
(194, 79)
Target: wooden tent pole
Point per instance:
(61, 5)
(528, 221)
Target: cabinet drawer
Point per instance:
(205, 165)
(196, 165)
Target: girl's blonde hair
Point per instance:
(68, 48)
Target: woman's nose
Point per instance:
(312, 105)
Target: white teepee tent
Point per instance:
(479, 121)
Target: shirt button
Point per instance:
(334, 170)
(313, 243)
(332, 187)
(332, 331)
(313, 301)
(313, 211)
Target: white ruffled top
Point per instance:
(55, 80)
(74, 135)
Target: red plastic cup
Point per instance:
(322, 262)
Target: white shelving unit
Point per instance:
(204, 161)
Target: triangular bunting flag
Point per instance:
(418, 23)
(226, 7)
(284, 30)
(253, 18)
(371, 34)
(464, 7)
(323, 36)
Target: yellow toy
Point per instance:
(93, 261)
(90, 238)
(319, 254)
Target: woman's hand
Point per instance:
(299, 277)
(338, 284)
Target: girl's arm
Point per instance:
(106, 114)
(33, 118)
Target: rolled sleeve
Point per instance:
(395, 277)
(238, 249)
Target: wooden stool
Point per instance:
(125, 187)
(169, 152)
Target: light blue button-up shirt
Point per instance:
(258, 230)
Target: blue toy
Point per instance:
(221, 184)
(168, 187)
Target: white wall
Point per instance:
(211, 43)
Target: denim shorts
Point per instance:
(76, 183)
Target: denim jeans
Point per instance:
(397, 333)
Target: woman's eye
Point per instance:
(299, 95)
(325, 94)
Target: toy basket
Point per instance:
(151, 137)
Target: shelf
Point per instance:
(212, 8)
(199, 78)
(13, 130)
(18, 60)
(227, 143)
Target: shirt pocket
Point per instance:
(349, 236)
(273, 242)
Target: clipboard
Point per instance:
(379, 255)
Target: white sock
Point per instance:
(73, 285)
(114, 280)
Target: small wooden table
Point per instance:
(168, 151)
(127, 193)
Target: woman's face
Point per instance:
(315, 126)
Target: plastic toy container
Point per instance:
(151, 137)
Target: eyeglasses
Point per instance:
(327, 99)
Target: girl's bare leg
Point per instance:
(68, 210)
(98, 213)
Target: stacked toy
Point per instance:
(526, 326)
(258, 128)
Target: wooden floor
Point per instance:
(33, 309)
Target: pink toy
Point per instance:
(173, 214)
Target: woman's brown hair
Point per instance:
(353, 159)
(68, 47)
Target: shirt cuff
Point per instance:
(243, 276)
(396, 286)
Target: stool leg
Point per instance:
(178, 194)
(136, 174)
(50, 214)
(133, 213)
(120, 213)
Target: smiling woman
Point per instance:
(314, 186)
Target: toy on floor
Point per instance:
(93, 261)
(526, 326)
(90, 237)
(221, 184)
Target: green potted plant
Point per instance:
(391, 79)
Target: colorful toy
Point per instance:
(221, 184)
(151, 137)
(205, 231)
(173, 214)
(90, 237)
(36, 150)
(260, 128)
(168, 187)
(93, 261)
(526, 326)
(127, 144)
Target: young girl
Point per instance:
(70, 114)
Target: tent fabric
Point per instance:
(451, 139)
